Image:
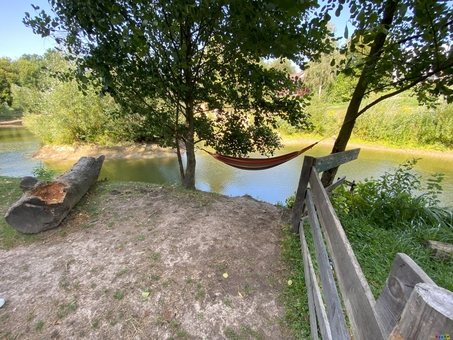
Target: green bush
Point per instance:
(43, 173)
(394, 200)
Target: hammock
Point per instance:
(258, 163)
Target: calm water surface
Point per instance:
(272, 185)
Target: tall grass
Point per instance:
(398, 121)
(395, 122)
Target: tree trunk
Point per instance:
(44, 205)
(359, 92)
(188, 180)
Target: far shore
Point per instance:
(68, 152)
(141, 150)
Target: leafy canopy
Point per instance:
(396, 46)
(191, 68)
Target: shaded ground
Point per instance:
(139, 261)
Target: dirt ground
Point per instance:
(140, 261)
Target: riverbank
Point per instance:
(146, 151)
(370, 146)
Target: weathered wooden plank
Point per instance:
(336, 159)
(334, 309)
(428, 313)
(298, 207)
(310, 280)
(335, 185)
(403, 277)
(356, 293)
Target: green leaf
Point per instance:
(145, 294)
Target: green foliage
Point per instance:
(61, 113)
(7, 77)
(393, 214)
(281, 64)
(394, 200)
(396, 46)
(341, 89)
(382, 218)
(43, 173)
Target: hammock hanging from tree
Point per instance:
(258, 163)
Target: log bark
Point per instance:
(443, 251)
(44, 205)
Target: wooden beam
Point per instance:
(334, 309)
(316, 307)
(336, 159)
(299, 206)
(356, 293)
(403, 277)
(427, 315)
(335, 185)
(442, 250)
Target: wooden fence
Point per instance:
(411, 306)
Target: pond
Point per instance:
(272, 185)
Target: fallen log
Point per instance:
(44, 205)
(441, 250)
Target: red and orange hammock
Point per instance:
(258, 163)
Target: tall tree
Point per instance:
(191, 67)
(401, 45)
(7, 77)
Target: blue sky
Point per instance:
(16, 39)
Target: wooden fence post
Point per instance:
(299, 205)
(403, 277)
(428, 315)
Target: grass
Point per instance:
(119, 294)
(243, 334)
(65, 308)
(39, 325)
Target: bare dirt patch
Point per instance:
(140, 261)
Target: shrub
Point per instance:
(396, 199)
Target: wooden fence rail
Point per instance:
(396, 314)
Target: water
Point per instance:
(272, 185)
(16, 146)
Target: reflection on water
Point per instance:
(272, 185)
(16, 146)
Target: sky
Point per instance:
(16, 39)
